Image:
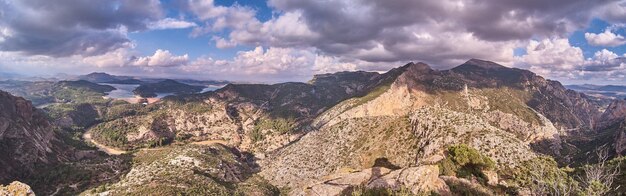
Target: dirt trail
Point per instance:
(102, 147)
(211, 142)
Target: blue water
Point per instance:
(125, 91)
(122, 91)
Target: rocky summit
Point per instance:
(477, 129)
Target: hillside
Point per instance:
(165, 86)
(189, 170)
(478, 128)
(343, 124)
(46, 92)
(601, 91)
(27, 139)
(99, 77)
(253, 117)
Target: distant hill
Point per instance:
(601, 91)
(44, 92)
(166, 86)
(100, 77)
(8, 76)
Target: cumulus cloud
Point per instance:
(605, 60)
(223, 43)
(171, 23)
(551, 57)
(119, 58)
(557, 59)
(72, 27)
(272, 64)
(304, 37)
(443, 33)
(607, 38)
(124, 57)
(161, 58)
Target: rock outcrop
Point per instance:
(189, 170)
(422, 179)
(26, 139)
(16, 189)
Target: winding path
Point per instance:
(102, 147)
(211, 142)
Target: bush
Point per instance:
(464, 161)
(279, 125)
(365, 191)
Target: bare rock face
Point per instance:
(416, 179)
(16, 189)
(620, 141)
(26, 139)
(614, 113)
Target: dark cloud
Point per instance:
(495, 20)
(616, 64)
(73, 27)
(391, 29)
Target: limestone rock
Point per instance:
(417, 179)
(16, 189)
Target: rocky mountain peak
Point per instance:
(482, 64)
(416, 66)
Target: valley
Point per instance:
(477, 129)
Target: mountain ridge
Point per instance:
(366, 128)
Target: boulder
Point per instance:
(16, 189)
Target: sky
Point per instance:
(573, 41)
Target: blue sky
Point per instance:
(573, 41)
(596, 26)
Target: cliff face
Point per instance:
(26, 139)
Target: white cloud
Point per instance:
(171, 23)
(116, 58)
(326, 64)
(223, 43)
(206, 9)
(604, 55)
(551, 57)
(272, 64)
(607, 38)
(161, 58)
(605, 61)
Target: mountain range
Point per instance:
(477, 129)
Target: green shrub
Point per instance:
(464, 161)
(365, 191)
(256, 135)
(279, 125)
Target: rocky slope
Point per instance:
(253, 117)
(26, 139)
(507, 114)
(189, 170)
(409, 122)
(360, 131)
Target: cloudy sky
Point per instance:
(574, 41)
